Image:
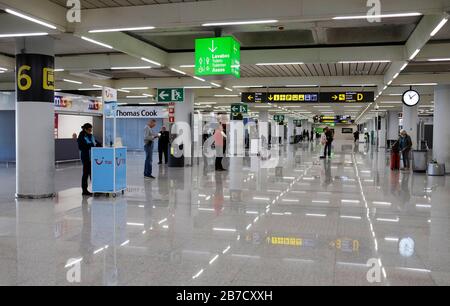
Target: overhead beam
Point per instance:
(196, 13)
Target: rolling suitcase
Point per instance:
(395, 161)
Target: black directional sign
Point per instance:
(308, 97)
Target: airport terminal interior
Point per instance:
(224, 143)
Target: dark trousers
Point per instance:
(86, 175)
(406, 158)
(163, 151)
(327, 148)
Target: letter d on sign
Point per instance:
(74, 273)
(74, 12)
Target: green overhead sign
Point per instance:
(279, 118)
(217, 56)
(239, 108)
(169, 95)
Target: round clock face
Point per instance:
(406, 247)
(411, 98)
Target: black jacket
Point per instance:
(85, 143)
(163, 141)
(329, 136)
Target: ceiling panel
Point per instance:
(92, 4)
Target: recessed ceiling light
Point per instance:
(96, 42)
(122, 29)
(23, 16)
(239, 23)
(413, 14)
(23, 35)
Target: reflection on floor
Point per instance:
(305, 221)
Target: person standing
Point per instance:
(356, 135)
(163, 145)
(312, 135)
(86, 141)
(149, 140)
(405, 144)
(219, 143)
(328, 141)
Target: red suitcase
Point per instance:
(395, 161)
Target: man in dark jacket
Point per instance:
(86, 141)
(405, 143)
(163, 145)
(329, 136)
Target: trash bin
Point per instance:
(435, 169)
(420, 160)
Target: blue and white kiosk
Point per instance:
(109, 164)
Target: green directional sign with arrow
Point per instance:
(239, 108)
(217, 56)
(279, 118)
(170, 95)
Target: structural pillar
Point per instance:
(410, 121)
(441, 129)
(291, 129)
(393, 126)
(183, 127)
(35, 140)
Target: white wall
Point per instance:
(69, 124)
(338, 132)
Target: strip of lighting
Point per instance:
(228, 89)
(294, 86)
(178, 71)
(248, 86)
(215, 84)
(439, 27)
(45, 24)
(316, 215)
(414, 54)
(122, 29)
(439, 59)
(197, 87)
(280, 64)
(96, 42)
(363, 62)
(150, 61)
(239, 23)
(137, 97)
(226, 96)
(3, 69)
(123, 90)
(218, 229)
(89, 89)
(404, 66)
(413, 14)
(200, 79)
(72, 81)
(134, 88)
(58, 70)
(131, 68)
(187, 66)
(351, 217)
(23, 35)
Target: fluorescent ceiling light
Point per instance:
(439, 27)
(45, 24)
(3, 69)
(134, 88)
(414, 54)
(187, 66)
(197, 87)
(391, 102)
(239, 23)
(200, 79)
(396, 75)
(404, 66)
(131, 68)
(439, 59)
(122, 29)
(364, 62)
(23, 35)
(248, 86)
(72, 81)
(58, 70)
(205, 103)
(98, 86)
(228, 89)
(178, 71)
(215, 84)
(89, 89)
(420, 84)
(136, 97)
(358, 85)
(218, 229)
(123, 90)
(413, 14)
(150, 61)
(96, 42)
(279, 64)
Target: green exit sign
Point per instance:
(239, 108)
(217, 56)
(279, 118)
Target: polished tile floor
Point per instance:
(296, 221)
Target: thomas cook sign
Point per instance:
(142, 112)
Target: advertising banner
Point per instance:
(77, 104)
(129, 112)
(121, 168)
(102, 169)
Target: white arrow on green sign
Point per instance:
(239, 108)
(170, 95)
